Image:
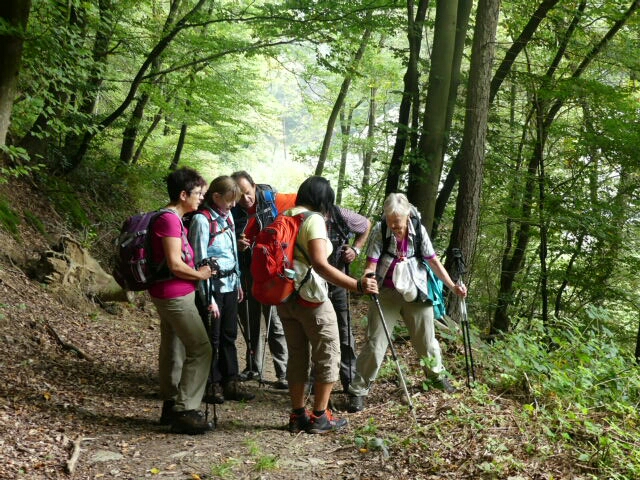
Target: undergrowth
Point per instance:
(582, 395)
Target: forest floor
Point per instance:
(78, 399)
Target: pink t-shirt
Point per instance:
(169, 225)
(402, 252)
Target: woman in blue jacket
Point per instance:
(212, 235)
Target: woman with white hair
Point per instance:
(394, 240)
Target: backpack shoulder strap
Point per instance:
(185, 241)
(417, 245)
(269, 195)
(213, 231)
(339, 224)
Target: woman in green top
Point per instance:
(308, 318)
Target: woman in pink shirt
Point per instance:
(185, 351)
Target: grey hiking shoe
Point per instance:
(325, 423)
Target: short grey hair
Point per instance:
(397, 203)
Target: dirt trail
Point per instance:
(108, 405)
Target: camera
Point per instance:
(212, 263)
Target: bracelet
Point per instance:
(359, 285)
(356, 249)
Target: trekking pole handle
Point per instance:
(372, 275)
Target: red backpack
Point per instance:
(272, 259)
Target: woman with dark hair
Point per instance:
(185, 351)
(309, 320)
(212, 234)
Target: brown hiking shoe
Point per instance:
(233, 391)
(214, 394)
(191, 422)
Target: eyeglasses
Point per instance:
(199, 193)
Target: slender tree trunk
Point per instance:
(130, 132)
(410, 94)
(156, 120)
(345, 129)
(16, 14)
(344, 89)
(89, 98)
(467, 216)
(425, 169)
(176, 156)
(544, 227)
(567, 274)
(368, 157)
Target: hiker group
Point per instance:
(221, 256)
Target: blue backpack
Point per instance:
(435, 285)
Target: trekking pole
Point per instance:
(393, 351)
(346, 271)
(459, 270)
(264, 348)
(214, 354)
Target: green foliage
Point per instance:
(582, 393)
(225, 469)
(34, 220)
(9, 219)
(20, 161)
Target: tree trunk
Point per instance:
(130, 132)
(467, 216)
(145, 137)
(368, 157)
(462, 20)
(153, 55)
(544, 228)
(501, 73)
(176, 156)
(100, 55)
(425, 169)
(16, 14)
(345, 129)
(344, 89)
(410, 94)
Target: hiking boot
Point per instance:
(214, 394)
(444, 384)
(233, 391)
(167, 415)
(355, 403)
(191, 422)
(325, 423)
(281, 384)
(299, 423)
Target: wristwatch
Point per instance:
(357, 250)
